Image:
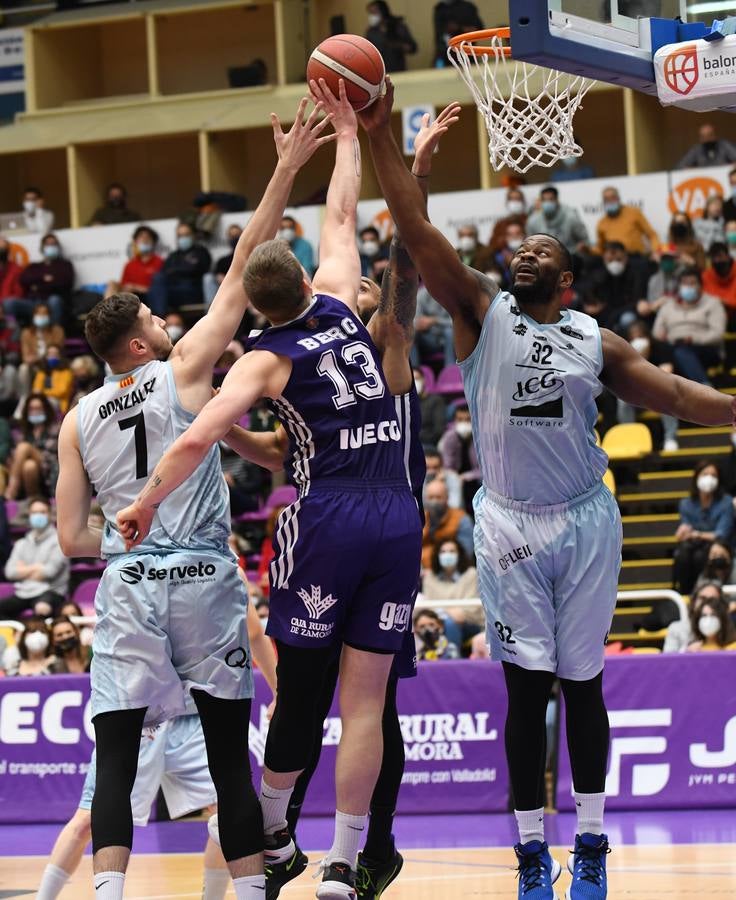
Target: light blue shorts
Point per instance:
(548, 579)
(167, 623)
(173, 757)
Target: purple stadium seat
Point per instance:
(429, 379)
(84, 595)
(11, 509)
(6, 590)
(281, 496)
(449, 381)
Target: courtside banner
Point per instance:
(451, 719)
(673, 733)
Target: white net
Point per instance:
(528, 110)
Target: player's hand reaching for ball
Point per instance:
(378, 114)
(428, 137)
(134, 523)
(296, 146)
(338, 108)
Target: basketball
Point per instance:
(354, 59)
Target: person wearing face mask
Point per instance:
(54, 379)
(718, 567)
(390, 34)
(458, 452)
(143, 264)
(705, 516)
(35, 215)
(10, 270)
(713, 628)
(34, 340)
(709, 228)
(729, 206)
(619, 287)
(86, 374)
(626, 225)
(731, 238)
(694, 324)
(515, 213)
(212, 280)
(71, 657)
(435, 469)
(452, 17)
(35, 462)
(50, 281)
(661, 286)
(115, 210)
(513, 239)
(32, 654)
(572, 168)
(180, 281)
(429, 633)
(451, 576)
(681, 632)
(175, 327)
(720, 279)
(442, 523)
(681, 237)
(300, 246)
(471, 251)
(709, 151)
(373, 254)
(37, 566)
(432, 332)
(560, 221)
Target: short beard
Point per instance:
(540, 293)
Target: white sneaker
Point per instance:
(338, 881)
(670, 445)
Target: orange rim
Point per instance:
(472, 36)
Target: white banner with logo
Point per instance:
(12, 61)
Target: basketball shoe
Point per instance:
(280, 870)
(537, 871)
(373, 877)
(587, 863)
(338, 882)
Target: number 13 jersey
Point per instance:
(336, 408)
(124, 428)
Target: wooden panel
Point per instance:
(45, 169)
(123, 58)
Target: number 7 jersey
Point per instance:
(124, 428)
(336, 408)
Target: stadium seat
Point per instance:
(609, 481)
(6, 590)
(281, 496)
(84, 596)
(640, 650)
(449, 381)
(9, 632)
(630, 441)
(429, 379)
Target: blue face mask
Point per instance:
(52, 363)
(38, 520)
(549, 207)
(36, 418)
(689, 293)
(613, 209)
(51, 251)
(184, 243)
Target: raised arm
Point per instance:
(205, 342)
(338, 273)
(629, 376)
(73, 496)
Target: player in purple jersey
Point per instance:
(349, 547)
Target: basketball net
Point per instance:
(526, 126)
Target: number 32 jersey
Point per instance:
(336, 408)
(124, 428)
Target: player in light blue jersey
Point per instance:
(548, 534)
(170, 617)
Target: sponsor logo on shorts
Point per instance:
(237, 658)
(317, 606)
(395, 617)
(133, 573)
(517, 554)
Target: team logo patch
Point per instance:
(520, 329)
(570, 332)
(681, 70)
(316, 604)
(132, 573)
(126, 382)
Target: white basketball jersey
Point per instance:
(531, 390)
(124, 429)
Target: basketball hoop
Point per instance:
(526, 127)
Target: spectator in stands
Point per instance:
(660, 355)
(10, 286)
(452, 17)
(619, 287)
(470, 250)
(434, 411)
(442, 523)
(35, 464)
(718, 566)
(705, 516)
(175, 326)
(713, 629)
(710, 227)
(390, 34)
(682, 240)
(373, 254)
(35, 215)
(115, 211)
(72, 658)
(625, 225)
(6, 449)
(458, 452)
(709, 151)
(70, 608)
(479, 648)
(562, 222)
(661, 287)
(729, 207)
(451, 576)
(32, 654)
(515, 212)
(50, 281)
(55, 379)
(694, 323)
(432, 330)
(571, 168)
(213, 280)
(179, 283)
(86, 372)
(34, 341)
(429, 631)
(720, 279)
(681, 633)
(435, 469)
(300, 246)
(9, 357)
(143, 264)
(513, 239)
(731, 237)
(37, 566)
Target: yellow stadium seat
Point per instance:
(630, 441)
(646, 650)
(9, 634)
(609, 481)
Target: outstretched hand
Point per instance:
(134, 523)
(296, 146)
(378, 114)
(338, 108)
(430, 133)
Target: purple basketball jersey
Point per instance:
(409, 414)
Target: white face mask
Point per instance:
(370, 248)
(615, 267)
(374, 20)
(174, 332)
(514, 243)
(515, 207)
(707, 483)
(709, 625)
(495, 276)
(467, 244)
(419, 384)
(37, 642)
(287, 234)
(30, 206)
(641, 345)
(464, 429)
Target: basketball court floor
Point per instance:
(665, 854)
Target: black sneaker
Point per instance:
(338, 882)
(280, 873)
(374, 877)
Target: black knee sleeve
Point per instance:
(588, 733)
(118, 740)
(225, 725)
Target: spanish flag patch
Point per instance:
(126, 382)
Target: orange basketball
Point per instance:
(354, 59)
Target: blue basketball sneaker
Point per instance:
(537, 871)
(588, 867)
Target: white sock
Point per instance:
(52, 882)
(215, 884)
(589, 808)
(251, 887)
(109, 885)
(531, 824)
(274, 803)
(348, 839)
